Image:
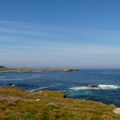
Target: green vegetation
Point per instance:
(16, 104)
(2, 66)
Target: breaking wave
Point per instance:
(42, 88)
(38, 89)
(96, 87)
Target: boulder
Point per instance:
(117, 110)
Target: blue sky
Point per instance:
(60, 33)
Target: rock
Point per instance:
(117, 111)
(10, 85)
(53, 105)
(37, 100)
(14, 99)
(65, 96)
(93, 86)
(40, 91)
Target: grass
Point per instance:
(16, 104)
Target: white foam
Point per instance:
(37, 89)
(97, 87)
(79, 88)
(108, 86)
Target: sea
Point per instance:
(86, 84)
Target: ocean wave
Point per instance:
(45, 88)
(38, 89)
(96, 87)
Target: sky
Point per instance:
(60, 33)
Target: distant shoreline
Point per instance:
(5, 69)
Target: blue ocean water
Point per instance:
(91, 84)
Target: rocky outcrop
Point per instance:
(117, 110)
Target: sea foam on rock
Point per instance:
(96, 87)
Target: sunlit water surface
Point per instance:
(99, 85)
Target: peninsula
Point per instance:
(24, 69)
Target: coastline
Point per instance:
(51, 105)
(5, 69)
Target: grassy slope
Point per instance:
(17, 104)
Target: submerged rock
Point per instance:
(93, 86)
(10, 85)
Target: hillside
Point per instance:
(17, 104)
